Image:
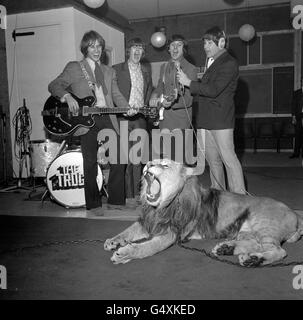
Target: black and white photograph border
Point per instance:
(51, 243)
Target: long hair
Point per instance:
(89, 39)
(135, 42)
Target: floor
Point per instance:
(72, 270)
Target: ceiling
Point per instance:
(122, 12)
(140, 9)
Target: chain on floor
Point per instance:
(100, 241)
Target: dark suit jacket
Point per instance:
(297, 103)
(124, 80)
(72, 80)
(216, 94)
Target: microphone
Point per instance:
(177, 65)
(178, 68)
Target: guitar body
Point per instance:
(58, 120)
(161, 109)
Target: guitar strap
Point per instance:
(92, 87)
(174, 89)
(163, 77)
(161, 110)
(90, 83)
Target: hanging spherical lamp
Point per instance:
(158, 39)
(246, 32)
(94, 3)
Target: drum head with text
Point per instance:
(65, 179)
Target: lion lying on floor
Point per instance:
(176, 207)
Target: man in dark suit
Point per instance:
(135, 83)
(297, 120)
(216, 111)
(86, 78)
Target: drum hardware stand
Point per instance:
(22, 123)
(19, 186)
(34, 189)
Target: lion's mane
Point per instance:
(194, 208)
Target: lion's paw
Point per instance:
(223, 248)
(122, 255)
(251, 260)
(114, 243)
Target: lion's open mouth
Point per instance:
(153, 187)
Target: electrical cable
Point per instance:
(23, 128)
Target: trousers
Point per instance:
(89, 147)
(219, 152)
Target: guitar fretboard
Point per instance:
(90, 110)
(96, 110)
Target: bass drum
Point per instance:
(65, 179)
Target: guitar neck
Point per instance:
(106, 110)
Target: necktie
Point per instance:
(100, 78)
(209, 62)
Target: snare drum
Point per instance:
(42, 152)
(65, 179)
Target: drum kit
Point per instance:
(62, 168)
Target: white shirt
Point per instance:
(137, 83)
(210, 62)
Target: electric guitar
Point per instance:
(58, 120)
(169, 98)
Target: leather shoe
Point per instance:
(294, 156)
(98, 212)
